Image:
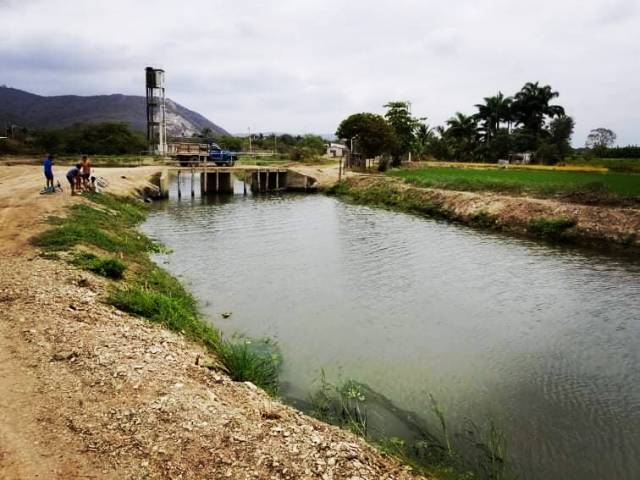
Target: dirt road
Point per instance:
(87, 391)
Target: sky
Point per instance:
(304, 65)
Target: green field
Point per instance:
(544, 183)
(626, 165)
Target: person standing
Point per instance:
(85, 173)
(48, 172)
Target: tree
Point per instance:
(601, 138)
(558, 145)
(374, 134)
(405, 127)
(492, 113)
(463, 130)
(531, 106)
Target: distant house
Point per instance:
(517, 159)
(336, 150)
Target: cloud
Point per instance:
(295, 65)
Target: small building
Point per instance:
(336, 150)
(517, 159)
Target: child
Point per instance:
(85, 174)
(48, 172)
(73, 175)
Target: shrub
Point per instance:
(104, 266)
(246, 362)
(551, 228)
(631, 151)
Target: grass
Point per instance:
(108, 224)
(381, 195)
(544, 183)
(113, 160)
(630, 165)
(105, 266)
(551, 228)
(472, 453)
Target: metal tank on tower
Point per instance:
(156, 114)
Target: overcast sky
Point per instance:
(304, 65)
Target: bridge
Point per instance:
(211, 179)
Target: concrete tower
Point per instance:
(156, 118)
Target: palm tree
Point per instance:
(463, 129)
(462, 126)
(493, 112)
(532, 104)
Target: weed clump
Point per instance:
(103, 266)
(470, 452)
(551, 228)
(258, 364)
(483, 219)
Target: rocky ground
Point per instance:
(87, 391)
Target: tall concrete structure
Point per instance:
(156, 111)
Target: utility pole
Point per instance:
(409, 109)
(249, 128)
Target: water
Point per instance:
(543, 339)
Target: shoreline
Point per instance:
(607, 228)
(111, 395)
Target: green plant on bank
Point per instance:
(551, 228)
(483, 219)
(479, 453)
(341, 405)
(104, 266)
(383, 196)
(109, 224)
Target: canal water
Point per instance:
(541, 339)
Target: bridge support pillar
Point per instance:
(216, 182)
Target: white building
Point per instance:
(336, 150)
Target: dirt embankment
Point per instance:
(87, 391)
(591, 225)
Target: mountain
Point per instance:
(35, 111)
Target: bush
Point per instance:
(247, 362)
(101, 138)
(630, 151)
(551, 228)
(104, 266)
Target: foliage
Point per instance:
(631, 151)
(101, 138)
(473, 453)
(104, 266)
(405, 127)
(228, 142)
(531, 105)
(463, 131)
(493, 113)
(560, 132)
(551, 228)
(526, 122)
(601, 138)
(246, 362)
(372, 133)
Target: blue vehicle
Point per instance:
(222, 158)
